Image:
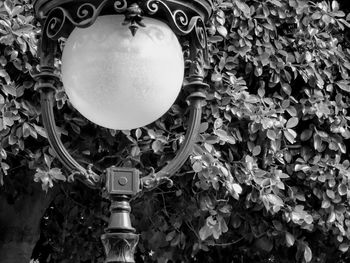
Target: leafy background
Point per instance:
(268, 180)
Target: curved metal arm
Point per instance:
(151, 181)
(198, 55)
(87, 176)
(46, 84)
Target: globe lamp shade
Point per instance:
(120, 81)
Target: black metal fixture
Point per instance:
(117, 27)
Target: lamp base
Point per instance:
(120, 247)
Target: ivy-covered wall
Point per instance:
(268, 180)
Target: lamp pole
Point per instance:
(63, 19)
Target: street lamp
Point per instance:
(118, 80)
(122, 68)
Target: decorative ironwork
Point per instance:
(178, 20)
(60, 21)
(63, 16)
(46, 84)
(120, 5)
(134, 18)
(199, 52)
(185, 18)
(203, 8)
(120, 247)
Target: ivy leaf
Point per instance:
(5, 167)
(6, 76)
(205, 232)
(56, 173)
(330, 193)
(138, 133)
(344, 247)
(292, 122)
(287, 88)
(204, 127)
(335, 5)
(256, 150)
(268, 26)
(26, 131)
(275, 201)
(222, 31)
(344, 85)
(271, 135)
(307, 253)
(40, 130)
(224, 136)
(316, 15)
(301, 167)
(306, 135)
(197, 167)
(308, 57)
(275, 2)
(170, 236)
(234, 189)
(135, 151)
(33, 132)
(216, 77)
(342, 189)
(243, 7)
(226, 209)
(9, 5)
(331, 218)
(157, 146)
(317, 142)
(265, 244)
(289, 239)
(325, 204)
(17, 10)
(290, 135)
(43, 176)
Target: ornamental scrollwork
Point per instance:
(178, 20)
(200, 35)
(197, 65)
(120, 5)
(198, 51)
(85, 15)
(61, 19)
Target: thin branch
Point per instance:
(190, 226)
(165, 211)
(231, 243)
(74, 201)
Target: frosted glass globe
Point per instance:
(121, 81)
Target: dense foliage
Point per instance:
(268, 180)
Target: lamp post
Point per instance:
(122, 68)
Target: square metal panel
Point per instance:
(122, 181)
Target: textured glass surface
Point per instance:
(119, 81)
